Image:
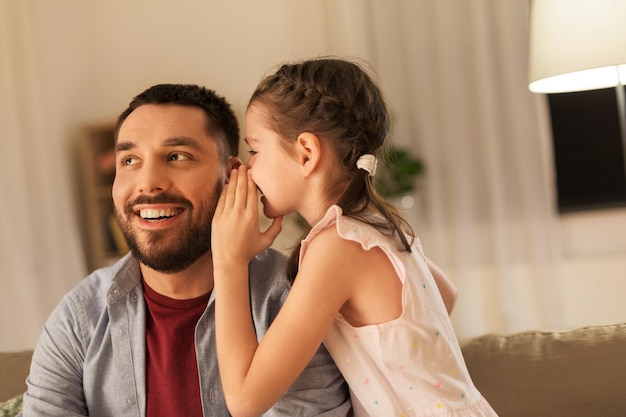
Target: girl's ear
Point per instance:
(308, 151)
(233, 163)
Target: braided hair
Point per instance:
(336, 100)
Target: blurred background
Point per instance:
(455, 74)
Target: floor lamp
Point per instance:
(578, 45)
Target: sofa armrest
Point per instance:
(14, 368)
(573, 373)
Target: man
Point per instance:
(137, 338)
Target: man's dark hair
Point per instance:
(222, 122)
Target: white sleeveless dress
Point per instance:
(410, 366)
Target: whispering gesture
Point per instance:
(236, 236)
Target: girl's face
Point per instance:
(273, 169)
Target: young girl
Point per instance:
(362, 285)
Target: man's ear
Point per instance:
(233, 163)
(308, 151)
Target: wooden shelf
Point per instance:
(98, 171)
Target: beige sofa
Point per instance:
(577, 373)
(14, 368)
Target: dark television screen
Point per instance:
(588, 150)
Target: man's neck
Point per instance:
(192, 282)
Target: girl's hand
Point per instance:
(235, 236)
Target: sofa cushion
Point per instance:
(14, 368)
(572, 373)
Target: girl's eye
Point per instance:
(251, 152)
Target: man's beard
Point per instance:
(163, 252)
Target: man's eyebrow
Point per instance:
(182, 141)
(124, 146)
(170, 142)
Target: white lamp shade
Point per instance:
(576, 45)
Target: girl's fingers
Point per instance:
(221, 200)
(241, 189)
(252, 193)
(225, 196)
(229, 192)
(240, 192)
(273, 230)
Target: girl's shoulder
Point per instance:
(347, 227)
(336, 232)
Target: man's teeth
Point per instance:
(156, 214)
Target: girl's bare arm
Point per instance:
(448, 291)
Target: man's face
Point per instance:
(168, 178)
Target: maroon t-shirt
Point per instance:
(173, 385)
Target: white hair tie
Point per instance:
(367, 162)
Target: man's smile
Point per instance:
(152, 214)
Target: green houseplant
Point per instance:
(397, 173)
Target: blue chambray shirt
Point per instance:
(90, 358)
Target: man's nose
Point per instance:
(152, 178)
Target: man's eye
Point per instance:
(178, 157)
(129, 161)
